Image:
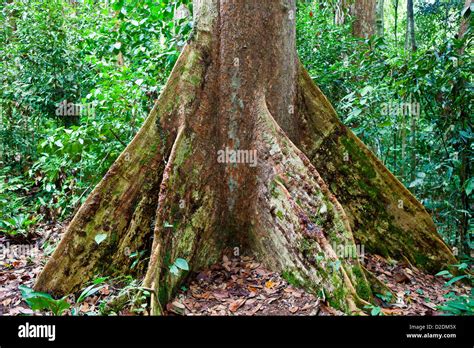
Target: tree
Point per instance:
(379, 17)
(365, 18)
(395, 24)
(464, 119)
(410, 42)
(189, 186)
(340, 12)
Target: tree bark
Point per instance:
(380, 17)
(395, 26)
(367, 16)
(410, 43)
(312, 187)
(364, 14)
(342, 9)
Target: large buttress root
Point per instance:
(294, 228)
(123, 205)
(186, 221)
(300, 225)
(383, 214)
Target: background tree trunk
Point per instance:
(410, 43)
(380, 17)
(342, 8)
(395, 26)
(364, 14)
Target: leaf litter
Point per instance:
(238, 286)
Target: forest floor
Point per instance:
(235, 286)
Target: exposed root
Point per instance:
(122, 206)
(382, 213)
(298, 219)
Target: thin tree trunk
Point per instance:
(380, 17)
(403, 136)
(342, 9)
(395, 27)
(413, 147)
(410, 43)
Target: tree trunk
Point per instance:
(342, 9)
(410, 43)
(413, 146)
(364, 13)
(403, 137)
(380, 17)
(395, 26)
(243, 151)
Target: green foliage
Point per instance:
(138, 257)
(100, 238)
(410, 108)
(179, 264)
(111, 60)
(387, 297)
(130, 295)
(451, 279)
(458, 304)
(374, 310)
(42, 301)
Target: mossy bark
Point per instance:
(238, 85)
(123, 205)
(383, 214)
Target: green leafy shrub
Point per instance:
(42, 301)
(457, 304)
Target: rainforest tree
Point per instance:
(238, 89)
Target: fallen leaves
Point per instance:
(236, 286)
(401, 277)
(293, 309)
(241, 286)
(176, 307)
(269, 284)
(417, 293)
(21, 266)
(236, 304)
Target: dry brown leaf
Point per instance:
(236, 304)
(293, 309)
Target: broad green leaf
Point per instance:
(444, 273)
(100, 238)
(89, 291)
(174, 270)
(375, 311)
(455, 279)
(182, 263)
